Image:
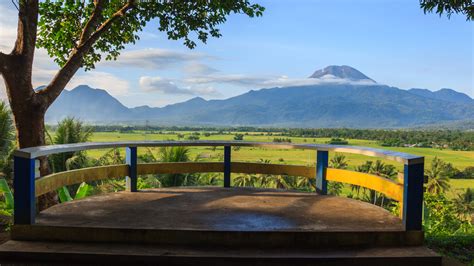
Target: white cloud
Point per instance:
(112, 84)
(154, 58)
(235, 79)
(168, 86)
(196, 68)
(269, 81)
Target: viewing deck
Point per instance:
(210, 223)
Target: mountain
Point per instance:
(326, 104)
(88, 104)
(444, 95)
(342, 72)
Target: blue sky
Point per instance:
(391, 41)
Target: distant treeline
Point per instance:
(452, 139)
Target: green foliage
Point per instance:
(338, 141)
(441, 217)
(460, 247)
(465, 7)
(7, 144)
(239, 136)
(62, 22)
(63, 194)
(279, 140)
(69, 130)
(438, 180)
(7, 193)
(83, 191)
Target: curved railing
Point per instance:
(409, 191)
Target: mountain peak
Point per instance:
(343, 72)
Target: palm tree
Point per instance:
(339, 162)
(464, 204)
(69, 130)
(7, 144)
(246, 180)
(438, 181)
(175, 154)
(6, 150)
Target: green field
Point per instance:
(459, 159)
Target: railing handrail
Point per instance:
(35, 152)
(24, 170)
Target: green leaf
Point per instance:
(64, 195)
(83, 191)
(7, 193)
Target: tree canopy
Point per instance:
(449, 7)
(107, 26)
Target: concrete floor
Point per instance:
(227, 209)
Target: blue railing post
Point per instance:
(321, 165)
(413, 196)
(131, 161)
(227, 162)
(24, 186)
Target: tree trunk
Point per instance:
(29, 115)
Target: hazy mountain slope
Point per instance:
(327, 104)
(444, 95)
(87, 104)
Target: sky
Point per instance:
(391, 41)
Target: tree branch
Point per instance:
(64, 75)
(93, 21)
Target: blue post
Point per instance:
(131, 161)
(413, 196)
(24, 186)
(321, 165)
(227, 166)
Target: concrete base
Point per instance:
(210, 226)
(74, 253)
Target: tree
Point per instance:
(438, 181)
(69, 130)
(77, 34)
(338, 162)
(465, 7)
(7, 137)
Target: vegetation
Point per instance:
(441, 139)
(448, 208)
(465, 7)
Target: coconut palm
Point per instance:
(69, 130)
(175, 154)
(464, 204)
(438, 181)
(339, 162)
(7, 137)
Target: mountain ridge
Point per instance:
(321, 105)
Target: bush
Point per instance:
(338, 141)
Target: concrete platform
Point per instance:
(229, 217)
(215, 226)
(221, 209)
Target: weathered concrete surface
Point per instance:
(231, 209)
(87, 253)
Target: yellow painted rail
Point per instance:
(52, 182)
(386, 186)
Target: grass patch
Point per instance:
(459, 247)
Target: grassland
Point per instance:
(459, 159)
